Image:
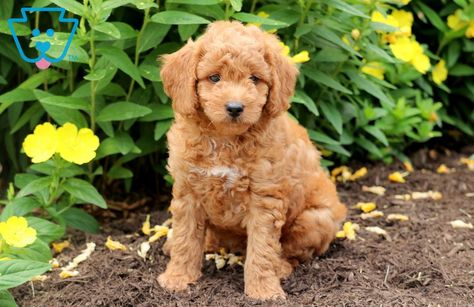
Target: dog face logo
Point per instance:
(43, 61)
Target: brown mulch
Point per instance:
(427, 262)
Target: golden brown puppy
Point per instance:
(247, 177)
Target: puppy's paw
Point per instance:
(284, 269)
(175, 282)
(266, 289)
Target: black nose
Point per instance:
(234, 108)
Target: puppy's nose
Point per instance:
(234, 108)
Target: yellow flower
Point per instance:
(355, 33)
(380, 18)
(470, 30)
(42, 144)
(409, 50)
(15, 232)
(455, 22)
(301, 57)
(285, 50)
(421, 62)
(77, 146)
(375, 69)
(405, 21)
(439, 73)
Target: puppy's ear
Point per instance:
(178, 74)
(283, 75)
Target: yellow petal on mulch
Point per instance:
(39, 278)
(374, 189)
(233, 259)
(220, 262)
(60, 246)
(167, 223)
(146, 225)
(405, 197)
(83, 256)
(210, 257)
(443, 169)
(340, 234)
(114, 245)
(54, 263)
(144, 248)
(160, 231)
(68, 274)
(408, 166)
(359, 174)
(424, 195)
(370, 215)
(397, 177)
(341, 173)
(397, 217)
(379, 231)
(468, 162)
(461, 224)
(469, 194)
(366, 207)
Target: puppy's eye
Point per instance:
(215, 78)
(254, 79)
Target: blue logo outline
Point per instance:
(24, 19)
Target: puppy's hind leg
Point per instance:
(315, 227)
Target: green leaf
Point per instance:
(369, 87)
(6, 299)
(236, 5)
(301, 97)
(152, 36)
(66, 102)
(38, 251)
(246, 17)
(62, 115)
(324, 79)
(84, 191)
(119, 172)
(186, 31)
(377, 133)
(122, 61)
(109, 29)
(96, 75)
(79, 219)
(19, 206)
(28, 115)
(46, 230)
(433, 17)
(6, 9)
(150, 72)
(159, 112)
(178, 18)
(74, 7)
(194, 2)
(20, 29)
(121, 111)
(370, 147)
(16, 95)
(35, 186)
(345, 7)
(161, 128)
(111, 4)
(330, 55)
(15, 272)
(461, 70)
(332, 113)
(321, 138)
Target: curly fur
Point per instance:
(251, 184)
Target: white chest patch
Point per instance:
(231, 174)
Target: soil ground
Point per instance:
(426, 262)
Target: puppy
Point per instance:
(246, 176)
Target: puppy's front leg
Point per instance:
(186, 246)
(263, 263)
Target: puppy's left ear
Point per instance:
(178, 74)
(283, 75)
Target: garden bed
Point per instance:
(423, 263)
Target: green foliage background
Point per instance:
(110, 81)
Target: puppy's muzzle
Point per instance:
(234, 108)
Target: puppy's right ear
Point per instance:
(178, 75)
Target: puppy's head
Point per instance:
(234, 74)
